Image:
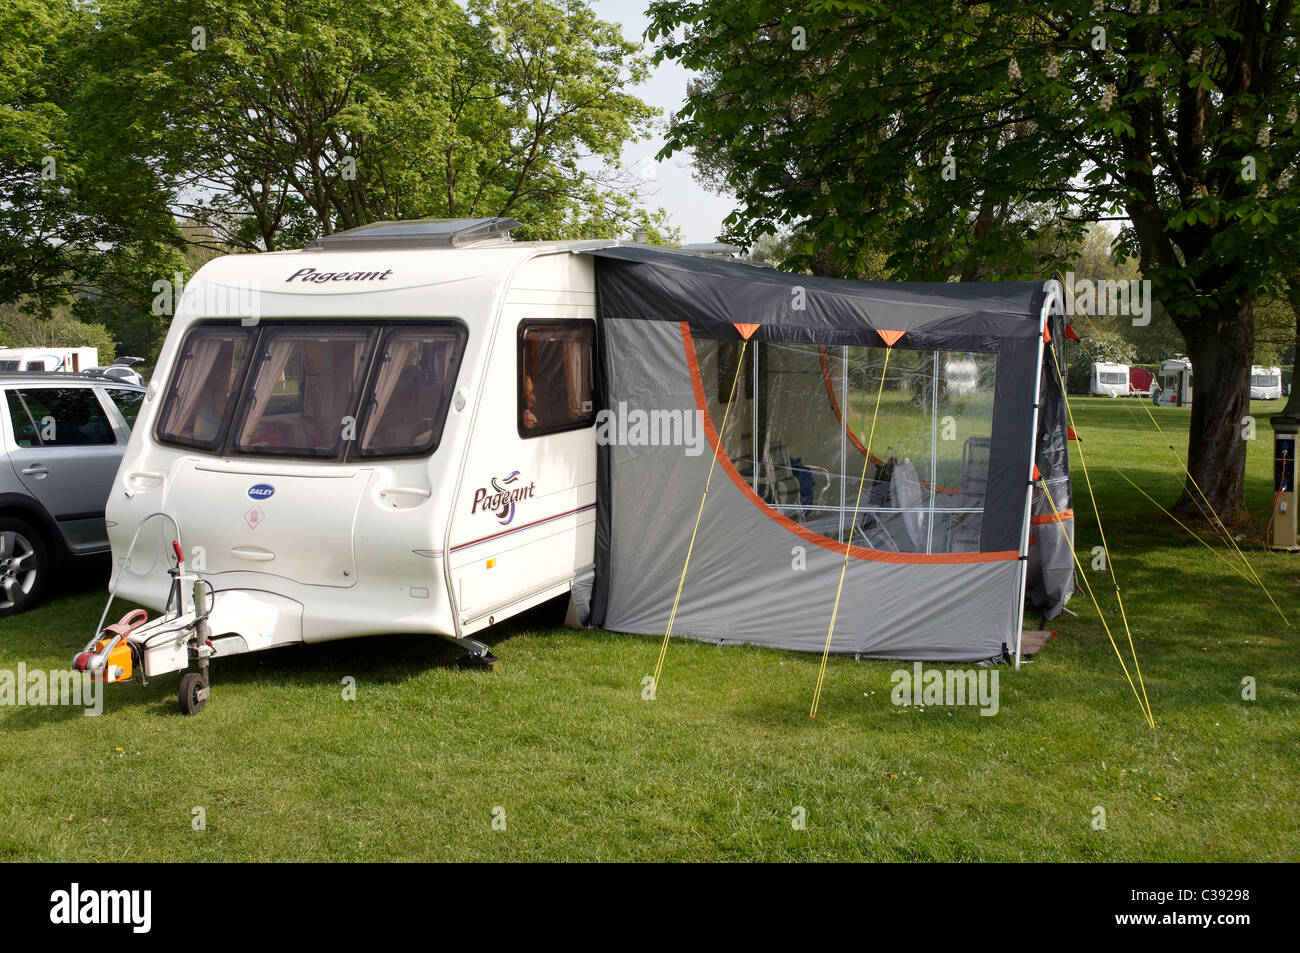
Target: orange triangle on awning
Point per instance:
(746, 330)
(889, 337)
(1047, 332)
(1037, 475)
(1071, 435)
(1069, 333)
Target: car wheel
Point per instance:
(24, 565)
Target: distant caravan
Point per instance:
(1265, 383)
(1109, 380)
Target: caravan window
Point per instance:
(412, 384)
(1264, 380)
(302, 393)
(325, 391)
(199, 404)
(556, 376)
(1113, 377)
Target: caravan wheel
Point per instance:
(193, 694)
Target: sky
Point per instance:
(692, 208)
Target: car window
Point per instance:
(58, 417)
(127, 402)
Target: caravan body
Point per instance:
(1109, 380)
(55, 359)
(1265, 383)
(285, 447)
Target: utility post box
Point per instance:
(1283, 535)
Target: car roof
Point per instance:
(57, 377)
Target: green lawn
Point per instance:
(414, 767)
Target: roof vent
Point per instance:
(419, 233)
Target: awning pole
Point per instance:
(1019, 607)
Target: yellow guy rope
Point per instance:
(663, 649)
(1144, 705)
(1083, 460)
(821, 674)
(1228, 562)
(1207, 509)
(1227, 534)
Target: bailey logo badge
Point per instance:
(501, 499)
(262, 491)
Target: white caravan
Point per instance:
(1265, 383)
(63, 359)
(1176, 382)
(390, 431)
(1109, 380)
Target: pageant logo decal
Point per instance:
(501, 499)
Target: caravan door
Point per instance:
(523, 524)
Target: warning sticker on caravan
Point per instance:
(254, 516)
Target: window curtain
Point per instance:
(276, 356)
(396, 359)
(577, 376)
(193, 380)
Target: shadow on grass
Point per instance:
(375, 660)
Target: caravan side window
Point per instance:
(556, 378)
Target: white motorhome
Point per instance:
(393, 432)
(1176, 382)
(1265, 383)
(60, 359)
(1109, 380)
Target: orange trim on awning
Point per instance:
(857, 552)
(889, 337)
(1053, 517)
(746, 330)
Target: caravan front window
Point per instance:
(199, 397)
(412, 385)
(324, 391)
(302, 392)
(1113, 377)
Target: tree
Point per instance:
(957, 134)
(279, 121)
(21, 329)
(74, 208)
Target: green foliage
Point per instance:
(284, 120)
(61, 329)
(75, 200)
(974, 140)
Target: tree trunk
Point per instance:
(1292, 408)
(1216, 448)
